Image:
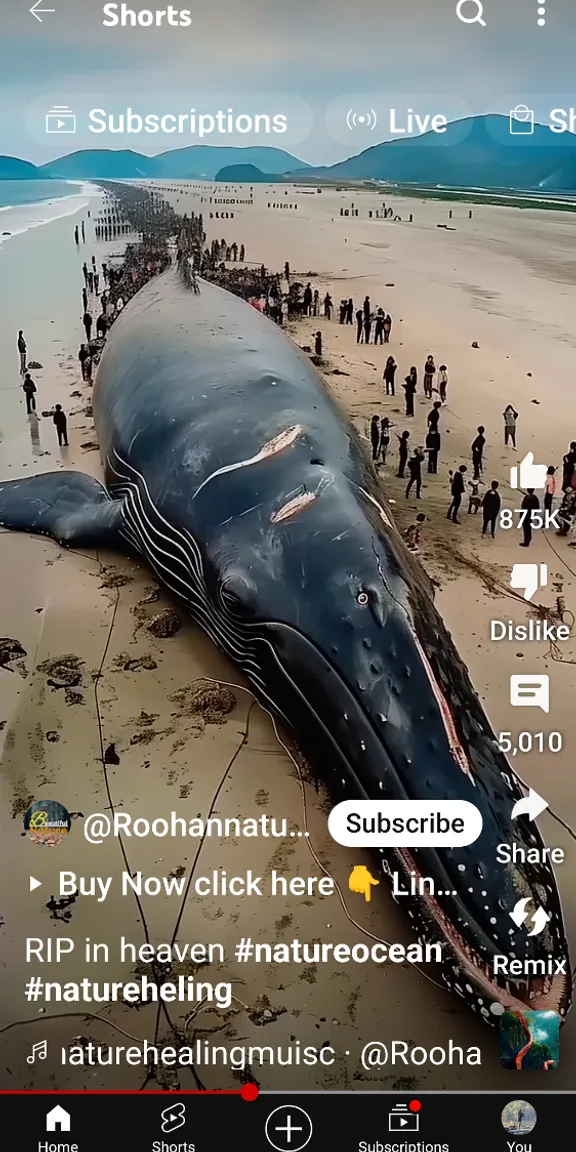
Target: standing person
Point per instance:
(84, 299)
(29, 389)
(105, 272)
(569, 466)
(457, 489)
(328, 306)
(415, 470)
(550, 490)
(442, 382)
(85, 363)
(85, 273)
(367, 327)
(433, 448)
(429, 372)
(350, 311)
(409, 390)
(402, 454)
(359, 325)
(307, 299)
(477, 449)
(316, 303)
(61, 423)
(389, 375)
(87, 322)
(96, 282)
(91, 283)
(76, 235)
(387, 327)
(491, 505)
(529, 505)
(510, 418)
(84, 232)
(366, 307)
(343, 307)
(385, 427)
(22, 352)
(379, 327)
(375, 436)
(318, 344)
(433, 417)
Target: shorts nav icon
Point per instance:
(405, 1117)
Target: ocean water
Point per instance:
(27, 204)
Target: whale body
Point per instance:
(233, 472)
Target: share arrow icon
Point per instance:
(34, 883)
(531, 806)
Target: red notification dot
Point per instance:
(414, 1105)
(251, 1092)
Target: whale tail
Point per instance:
(72, 508)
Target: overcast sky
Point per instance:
(308, 59)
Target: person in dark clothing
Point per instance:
(409, 389)
(316, 303)
(429, 372)
(478, 451)
(84, 299)
(22, 352)
(76, 235)
(85, 362)
(61, 423)
(343, 307)
(385, 427)
(402, 453)
(569, 466)
(102, 325)
(433, 442)
(366, 307)
(84, 232)
(433, 416)
(491, 505)
(529, 505)
(307, 300)
(85, 271)
(389, 375)
(96, 282)
(379, 327)
(318, 344)
(375, 436)
(87, 322)
(328, 306)
(367, 327)
(415, 470)
(350, 311)
(29, 389)
(457, 490)
(387, 328)
(105, 272)
(359, 325)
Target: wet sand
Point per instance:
(504, 280)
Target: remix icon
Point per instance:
(529, 1041)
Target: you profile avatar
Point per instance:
(518, 1118)
(47, 822)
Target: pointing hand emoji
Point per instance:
(361, 881)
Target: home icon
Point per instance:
(58, 1120)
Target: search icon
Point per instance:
(477, 19)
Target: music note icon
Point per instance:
(38, 1050)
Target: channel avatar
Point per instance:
(47, 822)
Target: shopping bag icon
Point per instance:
(521, 121)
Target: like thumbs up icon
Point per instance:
(361, 881)
(531, 475)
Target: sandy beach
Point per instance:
(93, 670)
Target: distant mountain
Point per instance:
(478, 152)
(198, 162)
(244, 174)
(12, 169)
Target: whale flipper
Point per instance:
(72, 508)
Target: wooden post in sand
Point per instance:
(470, 214)
(411, 218)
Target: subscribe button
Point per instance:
(404, 823)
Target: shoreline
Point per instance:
(78, 614)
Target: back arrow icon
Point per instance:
(36, 9)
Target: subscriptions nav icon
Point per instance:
(405, 1117)
(367, 119)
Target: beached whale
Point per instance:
(232, 471)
